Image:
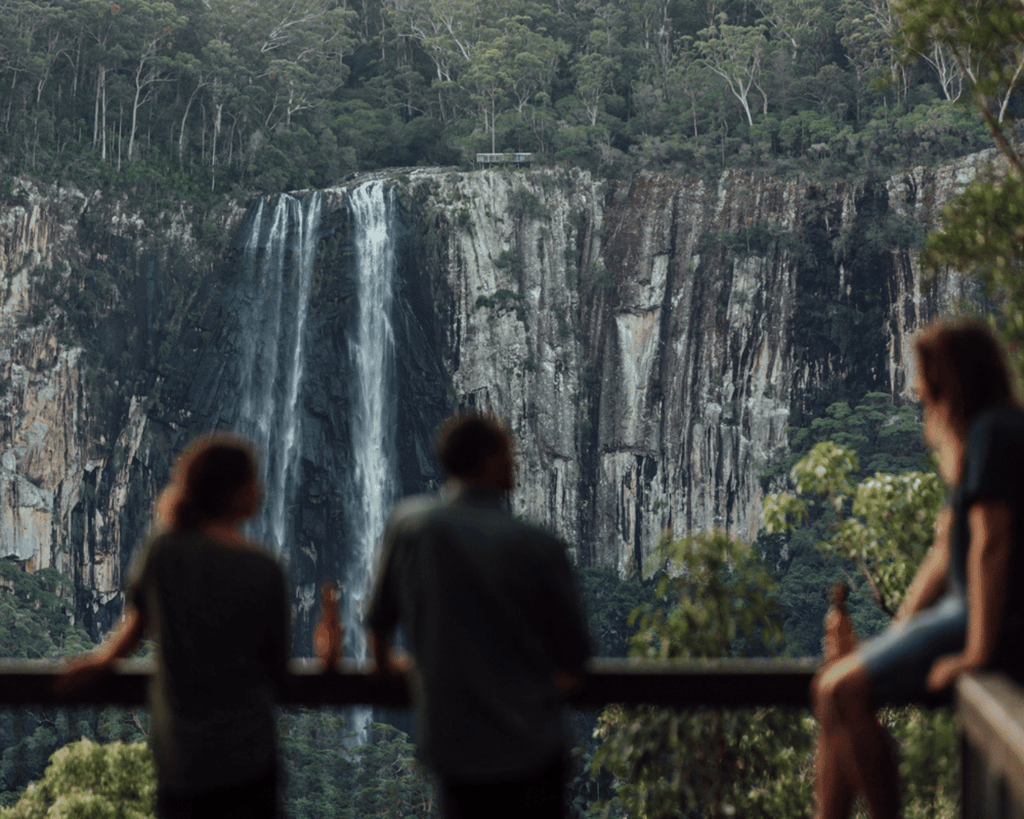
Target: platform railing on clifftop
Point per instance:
(990, 708)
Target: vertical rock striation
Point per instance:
(648, 342)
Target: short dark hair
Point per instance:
(962, 364)
(464, 441)
(208, 476)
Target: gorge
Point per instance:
(649, 343)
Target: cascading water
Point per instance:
(278, 249)
(278, 257)
(372, 347)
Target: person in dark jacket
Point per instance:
(495, 628)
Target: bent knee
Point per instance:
(841, 690)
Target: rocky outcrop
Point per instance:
(85, 304)
(647, 341)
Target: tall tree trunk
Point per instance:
(184, 117)
(135, 116)
(103, 120)
(213, 149)
(96, 107)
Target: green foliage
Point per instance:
(35, 615)
(609, 601)
(169, 100)
(87, 780)
(36, 623)
(929, 762)
(710, 591)
(329, 774)
(525, 204)
(981, 229)
(501, 301)
(886, 436)
(884, 525)
(713, 599)
(750, 241)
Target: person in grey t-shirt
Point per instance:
(217, 605)
(495, 628)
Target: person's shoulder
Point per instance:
(540, 538)
(262, 557)
(414, 510)
(1003, 421)
(157, 543)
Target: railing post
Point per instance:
(990, 712)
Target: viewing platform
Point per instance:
(989, 707)
(518, 157)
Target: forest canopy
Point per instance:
(197, 96)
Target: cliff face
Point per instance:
(89, 294)
(647, 342)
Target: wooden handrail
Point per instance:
(990, 710)
(990, 706)
(715, 683)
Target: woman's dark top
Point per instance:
(220, 618)
(994, 470)
(900, 658)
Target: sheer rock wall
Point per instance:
(648, 343)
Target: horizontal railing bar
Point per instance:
(715, 683)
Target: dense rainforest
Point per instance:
(198, 96)
(166, 102)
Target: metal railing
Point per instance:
(507, 156)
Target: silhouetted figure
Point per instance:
(217, 607)
(957, 614)
(495, 628)
(839, 637)
(328, 634)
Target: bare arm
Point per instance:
(988, 564)
(388, 661)
(87, 669)
(930, 580)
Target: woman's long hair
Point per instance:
(207, 481)
(963, 365)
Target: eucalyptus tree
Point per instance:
(598, 60)
(95, 19)
(149, 32)
(737, 54)
(982, 231)
(449, 32)
(867, 29)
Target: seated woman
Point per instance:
(216, 605)
(957, 614)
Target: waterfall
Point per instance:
(372, 348)
(278, 256)
(278, 247)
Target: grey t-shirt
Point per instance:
(220, 618)
(492, 612)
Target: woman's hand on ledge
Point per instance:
(945, 670)
(81, 673)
